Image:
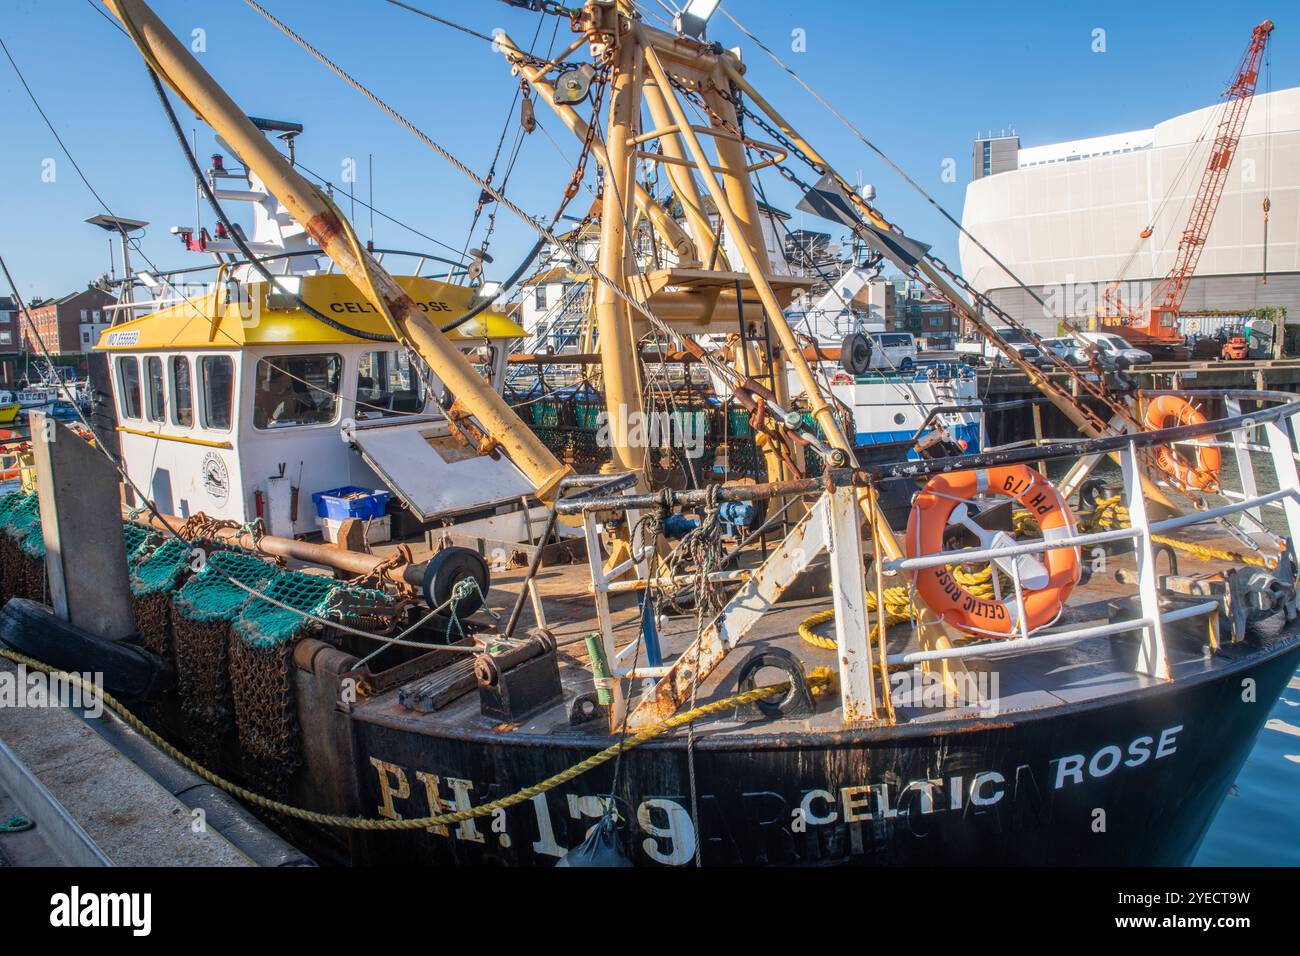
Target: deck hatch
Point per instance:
(433, 474)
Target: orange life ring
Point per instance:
(934, 506)
(1170, 411)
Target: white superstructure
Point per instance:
(1068, 218)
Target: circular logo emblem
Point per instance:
(216, 479)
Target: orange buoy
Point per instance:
(1170, 411)
(1046, 579)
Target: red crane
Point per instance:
(1155, 321)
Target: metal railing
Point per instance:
(831, 526)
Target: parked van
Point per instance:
(893, 350)
(1017, 339)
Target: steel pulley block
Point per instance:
(573, 86)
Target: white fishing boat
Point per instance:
(249, 400)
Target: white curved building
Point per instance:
(1067, 218)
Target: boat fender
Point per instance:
(448, 567)
(1090, 491)
(798, 700)
(601, 848)
(129, 671)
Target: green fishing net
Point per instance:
(21, 517)
(263, 624)
(210, 594)
(161, 570)
(8, 503)
(137, 538)
(33, 542)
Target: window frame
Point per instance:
(123, 406)
(174, 394)
(364, 408)
(203, 403)
(340, 398)
(156, 415)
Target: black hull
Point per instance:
(1133, 779)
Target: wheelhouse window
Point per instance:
(388, 384)
(155, 387)
(296, 390)
(182, 393)
(216, 384)
(128, 386)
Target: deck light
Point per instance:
(692, 20)
(284, 293)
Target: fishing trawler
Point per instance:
(743, 672)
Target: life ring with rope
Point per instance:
(1046, 579)
(1171, 411)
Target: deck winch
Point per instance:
(517, 680)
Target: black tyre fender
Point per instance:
(129, 671)
(445, 569)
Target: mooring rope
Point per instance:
(416, 823)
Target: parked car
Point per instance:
(1068, 348)
(1116, 349)
(993, 355)
(893, 350)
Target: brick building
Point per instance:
(10, 336)
(926, 317)
(70, 324)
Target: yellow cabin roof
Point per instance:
(191, 325)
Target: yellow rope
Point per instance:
(898, 605)
(1107, 513)
(1111, 513)
(419, 823)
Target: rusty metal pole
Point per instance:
(351, 562)
(619, 372)
(181, 71)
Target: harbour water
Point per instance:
(1257, 824)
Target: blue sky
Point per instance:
(920, 79)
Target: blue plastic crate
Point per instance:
(338, 503)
